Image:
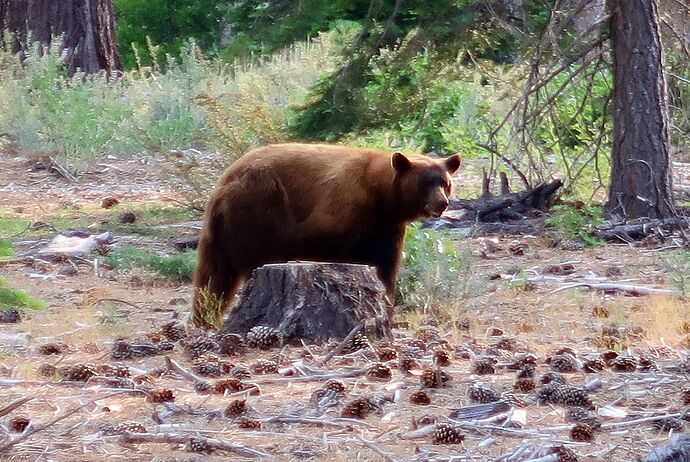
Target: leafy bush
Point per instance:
(178, 267)
(568, 222)
(434, 271)
(6, 249)
(15, 298)
(678, 265)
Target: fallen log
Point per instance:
(629, 232)
(312, 301)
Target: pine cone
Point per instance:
(408, 365)
(549, 394)
(572, 396)
(379, 372)
(18, 424)
(593, 365)
(358, 408)
(335, 385)
(77, 372)
(524, 385)
(441, 357)
(249, 424)
(484, 366)
(420, 398)
(582, 432)
(566, 350)
(624, 364)
(264, 366)
(522, 361)
(230, 385)
(431, 379)
(199, 446)
(10, 316)
(564, 454)
(608, 356)
(552, 377)
(113, 370)
(263, 337)
(427, 334)
(445, 433)
(480, 393)
(417, 344)
(235, 409)
(647, 365)
(563, 363)
(527, 372)
(160, 395)
(463, 324)
(210, 365)
(386, 354)
(53, 348)
(685, 396)
(128, 427)
(579, 414)
(174, 331)
(669, 423)
(121, 349)
(507, 344)
(203, 388)
(423, 420)
(198, 346)
(230, 344)
(241, 372)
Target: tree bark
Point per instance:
(641, 180)
(86, 28)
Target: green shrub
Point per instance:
(178, 267)
(434, 270)
(6, 248)
(14, 298)
(567, 222)
(678, 265)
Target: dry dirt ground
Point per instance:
(91, 307)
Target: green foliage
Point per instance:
(6, 249)
(568, 222)
(178, 267)
(434, 271)
(678, 265)
(14, 298)
(11, 225)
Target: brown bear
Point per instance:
(312, 202)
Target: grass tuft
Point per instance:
(178, 267)
(15, 298)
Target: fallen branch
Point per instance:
(14, 405)
(315, 378)
(341, 345)
(337, 422)
(376, 448)
(631, 289)
(173, 438)
(174, 367)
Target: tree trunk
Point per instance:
(641, 182)
(86, 27)
(312, 301)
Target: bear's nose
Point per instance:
(443, 204)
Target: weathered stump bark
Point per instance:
(312, 301)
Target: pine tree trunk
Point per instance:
(641, 182)
(87, 29)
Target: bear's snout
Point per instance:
(439, 206)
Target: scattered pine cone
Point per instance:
(519, 362)
(199, 446)
(578, 414)
(647, 364)
(433, 379)
(441, 357)
(484, 366)
(421, 421)
(524, 385)
(407, 364)
(264, 366)
(358, 408)
(608, 356)
(47, 370)
(669, 423)
(335, 385)
(427, 334)
(10, 316)
(77, 372)
(263, 337)
(235, 409)
(210, 365)
(203, 388)
(174, 331)
(573, 396)
(160, 395)
(445, 433)
(230, 344)
(18, 424)
(624, 364)
(582, 432)
(566, 350)
(685, 396)
(552, 377)
(564, 454)
(593, 365)
(507, 344)
(563, 363)
(463, 324)
(128, 427)
(231, 385)
(199, 346)
(386, 354)
(420, 398)
(480, 393)
(379, 372)
(53, 348)
(416, 343)
(241, 372)
(549, 394)
(527, 372)
(249, 424)
(113, 370)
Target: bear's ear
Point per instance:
(453, 163)
(400, 162)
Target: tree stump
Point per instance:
(312, 301)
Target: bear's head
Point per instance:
(423, 184)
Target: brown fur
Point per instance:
(313, 202)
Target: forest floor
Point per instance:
(90, 306)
